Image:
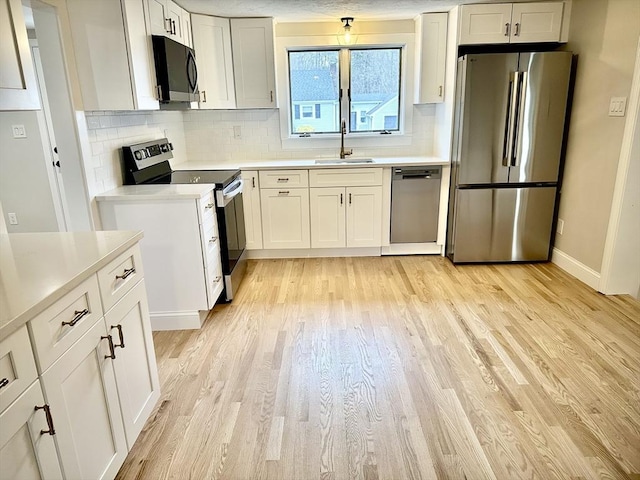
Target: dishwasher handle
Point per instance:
(416, 173)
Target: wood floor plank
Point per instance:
(399, 368)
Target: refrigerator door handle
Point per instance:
(517, 137)
(509, 124)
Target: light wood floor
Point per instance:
(400, 367)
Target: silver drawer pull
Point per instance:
(283, 179)
(4, 382)
(213, 239)
(209, 205)
(79, 314)
(112, 351)
(283, 192)
(127, 272)
(217, 279)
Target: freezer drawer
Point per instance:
(502, 224)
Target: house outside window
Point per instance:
(373, 76)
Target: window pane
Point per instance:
(375, 89)
(314, 77)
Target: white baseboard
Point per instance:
(315, 252)
(575, 268)
(177, 320)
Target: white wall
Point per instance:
(24, 183)
(604, 33)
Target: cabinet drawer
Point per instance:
(284, 178)
(207, 208)
(215, 281)
(59, 326)
(17, 366)
(211, 243)
(345, 177)
(120, 276)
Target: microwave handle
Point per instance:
(191, 67)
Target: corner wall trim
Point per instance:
(575, 268)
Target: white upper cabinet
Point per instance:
(536, 22)
(18, 88)
(114, 55)
(431, 42)
(253, 62)
(170, 20)
(511, 23)
(212, 43)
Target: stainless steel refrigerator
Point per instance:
(508, 135)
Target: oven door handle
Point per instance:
(228, 194)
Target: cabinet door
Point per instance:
(285, 218)
(212, 43)
(252, 217)
(82, 393)
(174, 14)
(135, 363)
(432, 48)
(158, 17)
(485, 23)
(327, 207)
(186, 28)
(25, 452)
(364, 216)
(536, 22)
(18, 89)
(253, 62)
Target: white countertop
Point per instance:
(137, 193)
(36, 269)
(309, 163)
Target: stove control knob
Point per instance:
(139, 154)
(164, 148)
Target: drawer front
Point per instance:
(345, 177)
(117, 278)
(215, 282)
(207, 208)
(211, 243)
(284, 178)
(59, 326)
(17, 366)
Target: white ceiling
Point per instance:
(322, 10)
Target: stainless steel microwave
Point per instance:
(176, 71)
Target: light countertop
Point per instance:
(135, 193)
(36, 269)
(310, 163)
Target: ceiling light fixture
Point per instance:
(347, 36)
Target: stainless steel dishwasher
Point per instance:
(415, 201)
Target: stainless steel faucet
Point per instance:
(343, 131)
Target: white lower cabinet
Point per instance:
(346, 217)
(25, 451)
(82, 393)
(135, 363)
(252, 218)
(285, 217)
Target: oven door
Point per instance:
(230, 212)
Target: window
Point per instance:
(316, 83)
(313, 82)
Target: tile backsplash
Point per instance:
(212, 136)
(216, 136)
(109, 131)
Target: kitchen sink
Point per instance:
(335, 161)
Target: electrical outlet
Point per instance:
(560, 228)
(237, 131)
(19, 131)
(617, 106)
(13, 218)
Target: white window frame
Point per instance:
(356, 139)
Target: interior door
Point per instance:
(487, 95)
(541, 115)
(503, 224)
